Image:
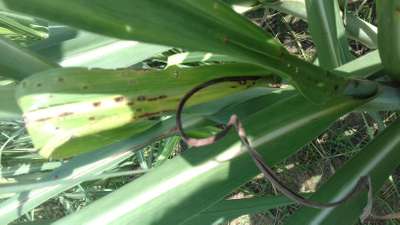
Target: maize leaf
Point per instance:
(70, 111)
(205, 175)
(79, 168)
(379, 159)
(389, 35)
(215, 28)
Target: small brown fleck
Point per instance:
(38, 85)
(149, 115)
(66, 114)
(162, 96)
(226, 40)
(233, 86)
(96, 104)
(119, 99)
(141, 98)
(85, 87)
(92, 118)
(130, 103)
(60, 79)
(43, 119)
(139, 110)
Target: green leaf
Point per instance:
(226, 210)
(215, 28)
(197, 57)
(10, 63)
(389, 35)
(205, 175)
(88, 109)
(83, 166)
(9, 109)
(379, 159)
(362, 67)
(328, 33)
(97, 51)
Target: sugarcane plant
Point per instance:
(93, 107)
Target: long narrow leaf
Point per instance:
(75, 109)
(389, 35)
(108, 157)
(11, 63)
(205, 175)
(92, 50)
(8, 104)
(378, 160)
(328, 34)
(230, 209)
(216, 28)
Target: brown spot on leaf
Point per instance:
(119, 99)
(66, 114)
(130, 103)
(157, 98)
(43, 119)
(85, 87)
(150, 114)
(96, 104)
(226, 40)
(92, 118)
(60, 79)
(38, 85)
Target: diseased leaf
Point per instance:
(203, 176)
(215, 28)
(71, 111)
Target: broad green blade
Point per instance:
(97, 51)
(9, 109)
(226, 210)
(19, 63)
(389, 35)
(197, 57)
(205, 175)
(362, 67)
(379, 159)
(362, 31)
(22, 29)
(106, 158)
(57, 34)
(21, 169)
(328, 34)
(71, 111)
(215, 27)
